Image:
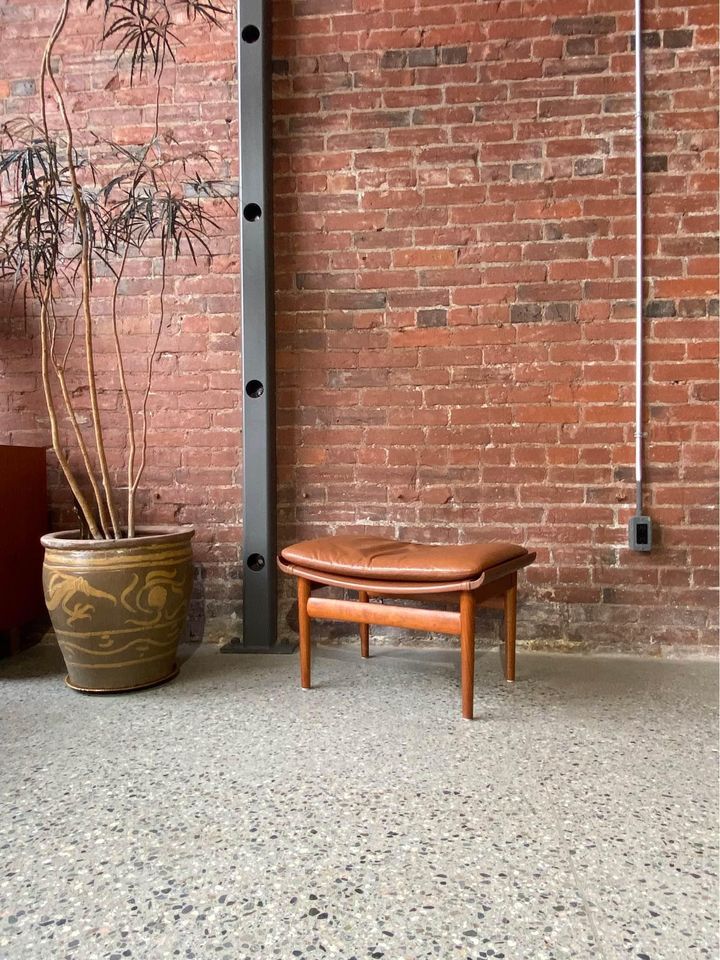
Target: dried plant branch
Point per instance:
(143, 409)
(127, 402)
(86, 277)
(69, 213)
(71, 339)
(59, 367)
(54, 431)
(133, 483)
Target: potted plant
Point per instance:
(77, 212)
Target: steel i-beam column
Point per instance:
(258, 341)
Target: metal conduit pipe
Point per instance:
(640, 528)
(638, 261)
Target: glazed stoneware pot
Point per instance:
(118, 607)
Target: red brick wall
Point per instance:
(454, 241)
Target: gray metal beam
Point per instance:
(258, 340)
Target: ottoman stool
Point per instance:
(474, 574)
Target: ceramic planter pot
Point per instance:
(118, 607)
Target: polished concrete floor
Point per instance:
(229, 815)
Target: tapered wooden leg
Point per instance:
(364, 629)
(467, 652)
(304, 619)
(510, 630)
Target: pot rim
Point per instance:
(147, 534)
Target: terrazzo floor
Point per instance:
(230, 816)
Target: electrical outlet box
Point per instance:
(640, 534)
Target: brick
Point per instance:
(23, 88)
(454, 231)
(526, 312)
(360, 300)
(420, 257)
(432, 318)
(579, 26)
(526, 171)
(660, 308)
(692, 308)
(393, 60)
(675, 39)
(454, 55)
(581, 47)
(588, 166)
(316, 8)
(651, 40)
(655, 164)
(559, 311)
(422, 57)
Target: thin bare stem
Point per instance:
(56, 31)
(85, 272)
(59, 369)
(151, 361)
(48, 350)
(156, 130)
(71, 340)
(133, 483)
(54, 432)
(125, 393)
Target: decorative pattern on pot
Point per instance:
(118, 608)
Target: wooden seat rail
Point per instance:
(501, 592)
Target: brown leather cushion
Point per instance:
(383, 559)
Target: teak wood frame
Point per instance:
(499, 593)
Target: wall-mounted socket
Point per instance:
(640, 534)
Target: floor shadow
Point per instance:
(42, 660)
